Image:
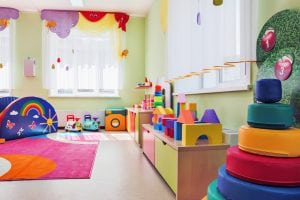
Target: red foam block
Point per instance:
(263, 169)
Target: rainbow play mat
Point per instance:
(26, 116)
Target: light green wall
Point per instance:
(231, 107)
(29, 44)
(155, 44)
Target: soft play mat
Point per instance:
(26, 116)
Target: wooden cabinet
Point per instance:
(188, 170)
(138, 117)
(148, 145)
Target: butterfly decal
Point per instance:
(10, 124)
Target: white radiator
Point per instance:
(62, 116)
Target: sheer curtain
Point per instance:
(5, 58)
(222, 35)
(82, 62)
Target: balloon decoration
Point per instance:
(61, 22)
(217, 2)
(5, 15)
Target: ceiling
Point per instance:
(131, 7)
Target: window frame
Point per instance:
(75, 92)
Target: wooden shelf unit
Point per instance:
(188, 170)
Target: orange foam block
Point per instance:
(186, 117)
(2, 140)
(191, 133)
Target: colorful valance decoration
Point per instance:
(5, 15)
(60, 22)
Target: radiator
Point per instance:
(62, 116)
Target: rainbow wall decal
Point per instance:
(30, 106)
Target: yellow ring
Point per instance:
(268, 142)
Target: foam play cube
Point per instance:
(177, 130)
(233, 188)
(165, 119)
(210, 116)
(268, 90)
(169, 123)
(191, 106)
(270, 142)
(115, 119)
(263, 169)
(191, 133)
(169, 132)
(270, 116)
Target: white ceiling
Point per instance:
(131, 7)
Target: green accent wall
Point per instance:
(231, 107)
(155, 44)
(29, 44)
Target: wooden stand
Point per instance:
(188, 170)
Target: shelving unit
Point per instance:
(188, 170)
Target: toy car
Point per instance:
(73, 124)
(90, 124)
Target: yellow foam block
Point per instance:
(268, 142)
(159, 110)
(191, 106)
(169, 111)
(191, 133)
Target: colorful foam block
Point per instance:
(268, 90)
(270, 116)
(233, 188)
(210, 116)
(169, 132)
(165, 119)
(191, 106)
(115, 119)
(212, 192)
(169, 123)
(263, 169)
(180, 107)
(191, 133)
(177, 130)
(279, 143)
(186, 117)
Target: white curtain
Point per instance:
(5, 58)
(81, 61)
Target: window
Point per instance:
(6, 44)
(223, 33)
(82, 64)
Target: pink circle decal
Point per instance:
(268, 40)
(283, 67)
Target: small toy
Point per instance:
(90, 124)
(73, 124)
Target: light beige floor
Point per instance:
(121, 172)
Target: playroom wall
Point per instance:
(231, 107)
(29, 44)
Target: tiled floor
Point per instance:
(121, 172)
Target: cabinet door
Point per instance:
(148, 145)
(166, 163)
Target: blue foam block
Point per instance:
(268, 90)
(236, 189)
(177, 130)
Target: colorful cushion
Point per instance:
(263, 169)
(233, 188)
(268, 90)
(270, 116)
(213, 193)
(279, 143)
